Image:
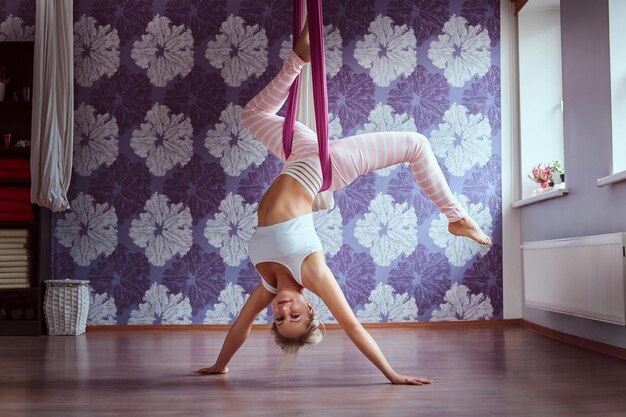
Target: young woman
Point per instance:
(285, 248)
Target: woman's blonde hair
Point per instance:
(291, 345)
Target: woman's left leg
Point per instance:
(360, 154)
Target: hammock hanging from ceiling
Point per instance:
(318, 70)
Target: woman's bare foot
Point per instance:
(303, 46)
(467, 227)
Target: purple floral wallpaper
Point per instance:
(167, 181)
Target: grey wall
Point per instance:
(588, 209)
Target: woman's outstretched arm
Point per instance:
(239, 331)
(323, 283)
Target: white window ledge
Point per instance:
(612, 179)
(541, 197)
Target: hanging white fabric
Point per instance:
(53, 105)
(306, 115)
(306, 106)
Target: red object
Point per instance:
(7, 174)
(15, 164)
(15, 193)
(10, 216)
(19, 206)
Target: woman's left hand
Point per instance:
(212, 370)
(409, 380)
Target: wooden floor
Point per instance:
(504, 371)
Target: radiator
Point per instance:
(581, 276)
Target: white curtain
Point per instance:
(53, 105)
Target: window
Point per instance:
(540, 87)
(617, 34)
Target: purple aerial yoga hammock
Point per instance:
(318, 70)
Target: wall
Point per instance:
(511, 184)
(166, 182)
(587, 209)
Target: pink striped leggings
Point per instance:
(352, 156)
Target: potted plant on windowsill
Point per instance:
(558, 173)
(542, 175)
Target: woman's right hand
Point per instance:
(212, 370)
(409, 380)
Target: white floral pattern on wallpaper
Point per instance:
(13, 29)
(96, 51)
(459, 250)
(165, 50)
(322, 313)
(231, 228)
(385, 306)
(462, 51)
(102, 309)
(388, 229)
(335, 131)
(164, 140)
(387, 50)
(333, 55)
(329, 228)
(463, 140)
(240, 51)
(233, 144)
(461, 305)
(95, 140)
(163, 229)
(161, 307)
(384, 119)
(231, 300)
(89, 229)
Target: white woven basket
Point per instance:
(66, 306)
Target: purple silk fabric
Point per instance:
(318, 73)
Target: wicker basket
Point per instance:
(66, 306)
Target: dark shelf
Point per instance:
(16, 119)
(15, 182)
(28, 289)
(15, 103)
(20, 327)
(17, 225)
(13, 151)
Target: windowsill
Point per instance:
(541, 197)
(612, 179)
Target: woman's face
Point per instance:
(291, 313)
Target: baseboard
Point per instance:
(575, 340)
(225, 327)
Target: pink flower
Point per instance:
(541, 174)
